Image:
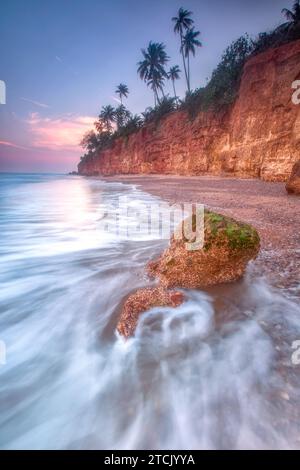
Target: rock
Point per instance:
(143, 300)
(228, 247)
(293, 184)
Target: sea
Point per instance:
(221, 371)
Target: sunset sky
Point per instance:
(62, 59)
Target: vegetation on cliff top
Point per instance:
(220, 91)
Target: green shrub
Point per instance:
(166, 106)
(223, 86)
(284, 34)
(133, 124)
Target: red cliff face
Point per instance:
(259, 136)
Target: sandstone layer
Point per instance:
(258, 136)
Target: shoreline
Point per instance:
(265, 205)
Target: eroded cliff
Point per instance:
(258, 136)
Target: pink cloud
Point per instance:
(63, 133)
(116, 99)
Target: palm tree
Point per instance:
(293, 16)
(189, 44)
(89, 141)
(122, 91)
(157, 83)
(152, 68)
(108, 115)
(174, 74)
(183, 22)
(147, 114)
(122, 115)
(135, 122)
(136, 119)
(100, 126)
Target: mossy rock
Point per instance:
(142, 300)
(219, 228)
(228, 245)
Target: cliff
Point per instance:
(258, 136)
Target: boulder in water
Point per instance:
(143, 300)
(228, 246)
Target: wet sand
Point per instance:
(265, 205)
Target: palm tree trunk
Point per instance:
(183, 59)
(189, 83)
(173, 82)
(156, 96)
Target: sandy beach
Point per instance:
(265, 205)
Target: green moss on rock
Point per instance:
(229, 245)
(220, 228)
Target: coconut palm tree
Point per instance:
(122, 91)
(189, 44)
(89, 141)
(293, 16)
(174, 74)
(122, 115)
(108, 115)
(135, 122)
(153, 84)
(152, 68)
(100, 126)
(182, 23)
(157, 83)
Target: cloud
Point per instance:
(69, 69)
(36, 103)
(61, 133)
(11, 144)
(117, 100)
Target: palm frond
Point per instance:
(174, 73)
(183, 21)
(288, 14)
(190, 42)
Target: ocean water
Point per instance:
(215, 373)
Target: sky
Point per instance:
(61, 61)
